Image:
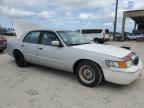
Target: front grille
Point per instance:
(136, 61)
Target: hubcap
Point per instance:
(87, 74)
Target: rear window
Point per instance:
(107, 31)
(91, 31)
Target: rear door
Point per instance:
(29, 46)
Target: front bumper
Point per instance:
(123, 76)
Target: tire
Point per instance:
(96, 40)
(89, 73)
(19, 59)
(101, 42)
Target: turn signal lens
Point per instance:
(122, 64)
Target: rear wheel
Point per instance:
(89, 73)
(20, 60)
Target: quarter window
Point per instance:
(32, 37)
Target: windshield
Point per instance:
(107, 31)
(72, 38)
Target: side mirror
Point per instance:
(55, 43)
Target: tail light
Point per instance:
(3, 40)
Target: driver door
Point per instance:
(49, 55)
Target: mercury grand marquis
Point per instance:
(69, 51)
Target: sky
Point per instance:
(68, 14)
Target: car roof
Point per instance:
(53, 30)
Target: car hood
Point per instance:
(104, 49)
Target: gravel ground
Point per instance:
(40, 87)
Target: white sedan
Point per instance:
(69, 51)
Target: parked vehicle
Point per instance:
(96, 35)
(134, 36)
(140, 39)
(3, 43)
(69, 51)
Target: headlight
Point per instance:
(129, 63)
(119, 64)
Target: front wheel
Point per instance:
(96, 40)
(89, 73)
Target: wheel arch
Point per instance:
(80, 60)
(16, 51)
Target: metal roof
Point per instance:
(136, 15)
(138, 19)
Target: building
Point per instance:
(138, 17)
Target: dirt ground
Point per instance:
(40, 87)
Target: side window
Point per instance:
(32, 37)
(91, 31)
(48, 37)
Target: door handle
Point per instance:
(40, 48)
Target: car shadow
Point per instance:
(34, 68)
(53, 71)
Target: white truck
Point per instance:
(96, 35)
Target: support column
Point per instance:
(135, 26)
(115, 21)
(123, 26)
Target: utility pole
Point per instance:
(115, 22)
